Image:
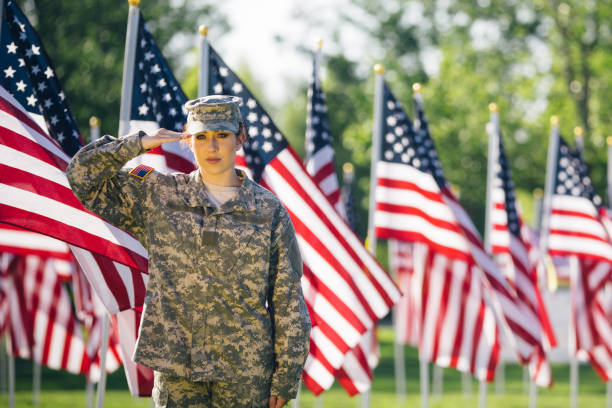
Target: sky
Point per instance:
(256, 26)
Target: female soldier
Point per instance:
(224, 322)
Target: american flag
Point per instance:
(43, 325)
(34, 192)
(511, 248)
(355, 374)
(157, 101)
(319, 159)
(346, 289)
(576, 230)
(415, 203)
(402, 259)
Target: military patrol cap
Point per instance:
(213, 112)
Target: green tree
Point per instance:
(86, 38)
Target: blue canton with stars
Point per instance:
(402, 144)
(572, 178)
(264, 140)
(156, 94)
(27, 73)
(504, 177)
(317, 126)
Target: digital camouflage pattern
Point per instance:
(224, 301)
(170, 391)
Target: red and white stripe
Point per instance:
(321, 168)
(576, 229)
(18, 321)
(167, 158)
(35, 195)
(140, 378)
(512, 256)
(592, 332)
(411, 207)
(57, 340)
(402, 257)
(352, 290)
(18, 241)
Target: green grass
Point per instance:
(61, 390)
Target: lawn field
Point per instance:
(61, 390)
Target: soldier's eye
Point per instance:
(222, 135)
(201, 136)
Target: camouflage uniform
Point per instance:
(224, 301)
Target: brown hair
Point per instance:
(241, 129)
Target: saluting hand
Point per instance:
(277, 402)
(162, 136)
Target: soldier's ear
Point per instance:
(240, 138)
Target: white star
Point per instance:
(167, 97)
(155, 69)
(143, 42)
(172, 112)
(21, 62)
(29, 53)
(223, 71)
(60, 136)
(251, 104)
(32, 100)
(253, 131)
(266, 132)
(35, 49)
(158, 117)
(23, 36)
(161, 83)
(143, 110)
(49, 72)
(140, 66)
(143, 87)
(267, 147)
(252, 117)
(237, 87)
(48, 103)
(12, 48)
(8, 73)
(35, 69)
(21, 86)
(265, 120)
(61, 95)
(21, 27)
(54, 120)
(218, 88)
(149, 55)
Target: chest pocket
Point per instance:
(244, 244)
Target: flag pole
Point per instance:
(103, 352)
(423, 363)
(377, 129)
(36, 372)
(94, 128)
(11, 371)
(129, 60)
(204, 61)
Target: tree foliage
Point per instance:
(533, 58)
(86, 38)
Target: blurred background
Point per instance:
(534, 58)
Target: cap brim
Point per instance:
(199, 127)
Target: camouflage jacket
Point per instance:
(224, 301)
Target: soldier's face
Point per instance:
(215, 152)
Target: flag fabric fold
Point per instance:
(346, 289)
(577, 229)
(511, 247)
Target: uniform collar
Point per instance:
(195, 196)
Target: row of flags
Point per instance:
(460, 295)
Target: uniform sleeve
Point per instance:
(290, 316)
(97, 180)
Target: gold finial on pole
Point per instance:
(319, 44)
(379, 68)
(493, 107)
(134, 3)
(538, 193)
(609, 140)
(554, 120)
(348, 168)
(417, 87)
(203, 29)
(578, 131)
(94, 121)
